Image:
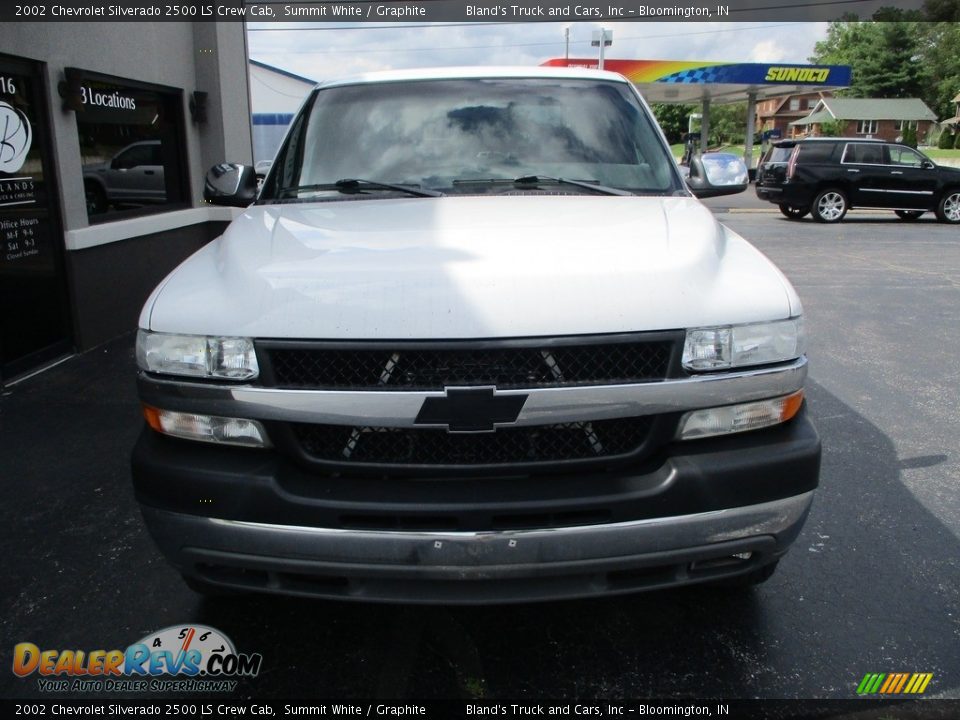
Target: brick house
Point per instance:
(777, 113)
(884, 118)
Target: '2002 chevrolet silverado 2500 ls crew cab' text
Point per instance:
(474, 340)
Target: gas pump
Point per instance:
(691, 140)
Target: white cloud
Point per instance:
(767, 51)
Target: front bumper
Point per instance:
(479, 567)
(252, 520)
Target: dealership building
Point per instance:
(106, 132)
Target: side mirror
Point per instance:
(713, 174)
(230, 184)
(927, 165)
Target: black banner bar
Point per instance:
(511, 11)
(862, 709)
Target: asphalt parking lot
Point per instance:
(872, 585)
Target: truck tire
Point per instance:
(829, 206)
(948, 209)
(792, 211)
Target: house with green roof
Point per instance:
(880, 118)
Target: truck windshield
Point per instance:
(460, 136)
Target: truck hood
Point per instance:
(470, 267)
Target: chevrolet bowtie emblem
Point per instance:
(477, 409)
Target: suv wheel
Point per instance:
(829, 206)
(908, 214)
(793, 212)
(948, 209)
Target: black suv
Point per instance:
(828, 176)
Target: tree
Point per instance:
(727, 123)
(909, 54)
(940, 48)
(886, 57)
(946, 140)
(832, 128)
(942, 11)
(895, 68)
(845, 42)
(910, 135)
(673, 120)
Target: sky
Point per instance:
(331, 50)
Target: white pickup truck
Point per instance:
(474, 340)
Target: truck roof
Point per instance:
(457, 73)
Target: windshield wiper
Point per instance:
(355, 185)
(534, 180)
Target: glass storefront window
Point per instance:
(35, 320)
(131, 145)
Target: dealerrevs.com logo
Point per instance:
(180, 658)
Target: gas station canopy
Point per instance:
(682, 81)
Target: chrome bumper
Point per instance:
(474, 567)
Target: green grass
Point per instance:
(938, 154)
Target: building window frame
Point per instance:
(867, 127)
(176, 165)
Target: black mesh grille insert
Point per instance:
(507, 446)
(506, 367)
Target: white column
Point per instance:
(705, 124)
(748, 140)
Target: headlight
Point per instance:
(730, 346)
(197, 355)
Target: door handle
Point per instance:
(896, 172)
(852, 170)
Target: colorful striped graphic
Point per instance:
(894, 683)
(700, 72)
